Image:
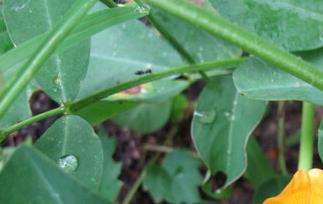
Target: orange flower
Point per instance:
(304, 188)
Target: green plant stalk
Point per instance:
(90, 24)
(307, 137)
(281, 137)
(217, 26)
(135, 187)
(169, 138)
(29, 121)
(74, 107)
(40, 56)
(229, 63)
(174, 43)
(171, 40)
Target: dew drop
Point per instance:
(206, 116)
(68, 163)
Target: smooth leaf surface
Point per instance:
(40, 181)
(200, 45)
(320, 141)
(258, 169)
(146, 117)
(101, 111)
(222, 123)
(270, 188)
(5, 42)
(133, 48)
(90, 25)
(61, 75)
(19, 110)
(175, 182)
(256, 79)
(109, 185)
(72, 136)
(295, 25)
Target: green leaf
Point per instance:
(320, 141)
(180, 103)
(270, 188)
(174, 181)
(258, 169)
(90, 25)
(259, 80)
(133, 48)
(110, 185)
(293, 24)
(101, 111)
(5, 42)
(222, 123)
(200, 45)
(156, 91)
(60, 77)
(146, 117)
(70, 137)
(19, 110)
(40, 181)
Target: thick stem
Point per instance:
(217, 26)
(281, 137)
(307, 137)
(32, 66)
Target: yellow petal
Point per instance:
(304, 188)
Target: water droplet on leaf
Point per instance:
(206, 116)
(68, 163)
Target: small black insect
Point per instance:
(141, 72)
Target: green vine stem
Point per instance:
(40, 56)
(168, 37)
(281, 137)
(307, 137)
(228, 63)
(217, 26)
(29, 121)
(76, 106)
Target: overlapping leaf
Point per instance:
(40, 181)
(295, 25)
(174, 181)
(222, 123)
(61, 75)
(109, 184)
(200, 45)
(72, 137)
(259, 80)
(132, 49)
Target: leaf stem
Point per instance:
(76, 106)
(174, 43)
(217, 26)
(307, 137)
(228, 63)
(29, 121)
(281, 137)
(40, 56)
